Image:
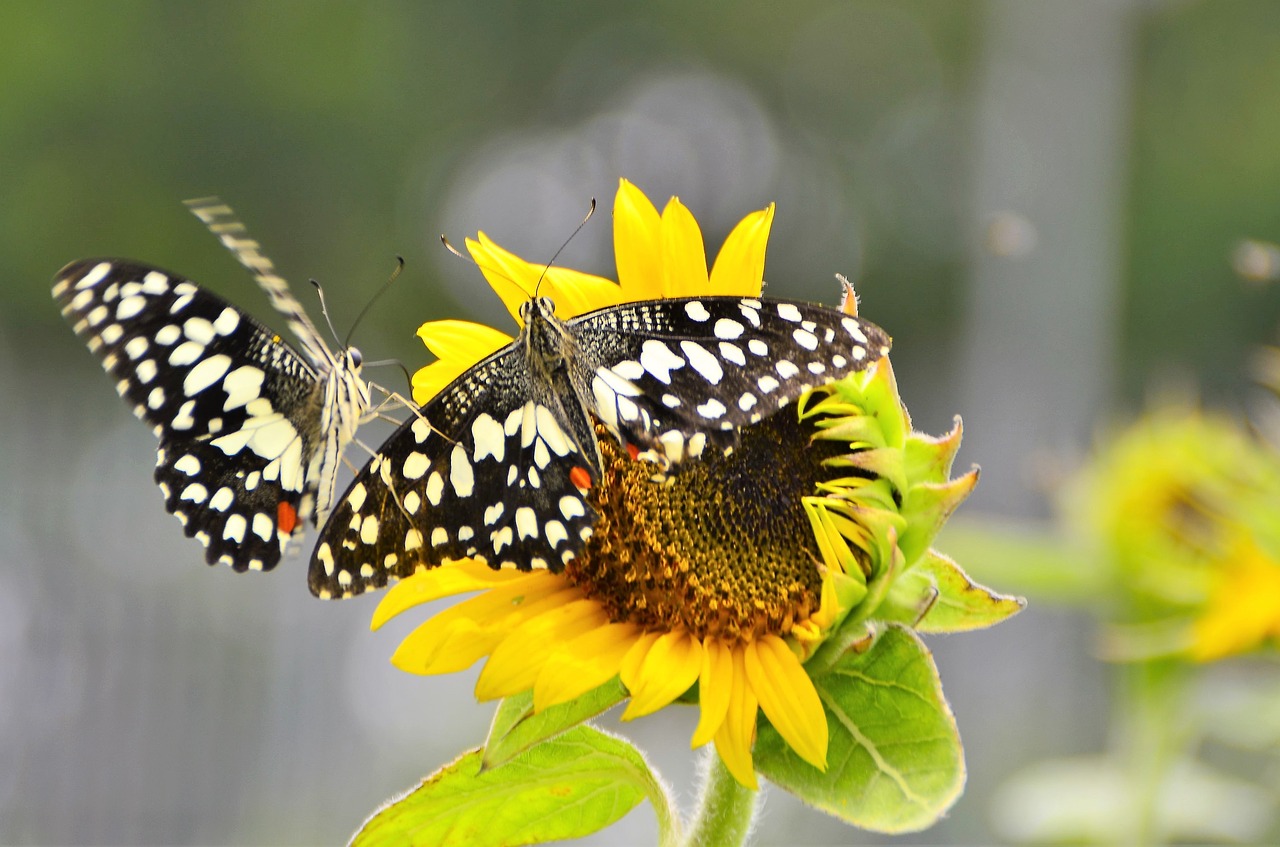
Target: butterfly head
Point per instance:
(544, 334)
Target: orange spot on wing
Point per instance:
(579, 477)
(286, 517)
(633, 451)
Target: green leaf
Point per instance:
(894, 763)
(567, 787)
(960, 604)
(516, 728)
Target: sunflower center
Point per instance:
(723, 549)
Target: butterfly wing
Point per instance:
(672, 376)
(485, 469)
(233, 405)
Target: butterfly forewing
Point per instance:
(486, 469)
(498, 465)
(235, 407)
(672, 376)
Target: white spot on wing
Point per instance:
(262, 526)
(703, 361)
(526, 522)
(659, 360)
(789, 312)
(227, 321)
(712, 409)
(696, 311)
(435, 488)
(234, 529)
(199, 330)
(242, 385)
(805, 339)
(460, 474)
(205, 373)
(415, 465)
(489, 438)
(728, 329)
(571, 507)
(222, 499)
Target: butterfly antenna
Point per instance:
(395, 274)
(591, 211)
(382, 363)
(324, 310)
(455, 251)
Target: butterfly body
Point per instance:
(498, 466)
(251, 431)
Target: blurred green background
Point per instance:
(1058, 209)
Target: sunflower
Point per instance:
(1184, 504)
(730, 576)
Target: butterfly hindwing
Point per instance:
(242, 519)
(232, 404)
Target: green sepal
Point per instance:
(853, 634)
(894, 760)
(516, 727)
(855, 430)
(927, 507)
(909, 599)
(956, 602)
(929, 459)
(568, 787)
(883, 462)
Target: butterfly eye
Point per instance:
(357, 358)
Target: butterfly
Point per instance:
(498, 466)
(251, 430)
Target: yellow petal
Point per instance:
(445, 581)
(684, 257)
(512, 278)
(634, 660)
(1244, 608)
(738, 732)
(739, 267)
(787, 698)
(671, 666)
(715, 685)
(576, 293)
(467, 631)
(586, 662)
(458, 345)
(637, 244)
(516, 662)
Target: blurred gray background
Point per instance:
(1054, 207)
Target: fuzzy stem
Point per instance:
(725, 807)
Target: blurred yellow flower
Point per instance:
(1187, 508)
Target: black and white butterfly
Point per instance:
(498, 466)
(251, 432)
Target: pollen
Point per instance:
(723, 549)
